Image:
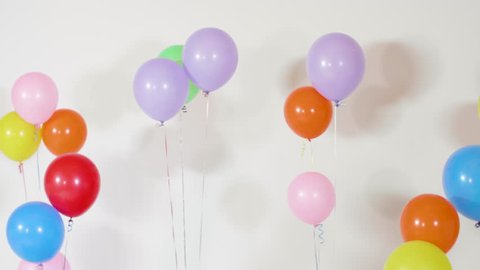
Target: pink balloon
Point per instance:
(311, 197)
(34, 97)
(54, 264)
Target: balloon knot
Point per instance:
(39, 266)
(339, 103)
(70, 225)
(20, 167)
(477, 225)
(205, 93)
(184, 109)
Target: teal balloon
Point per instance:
(35, 232)
(174, 53)
(461, 181)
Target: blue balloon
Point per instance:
(461, 181)
(35, 232)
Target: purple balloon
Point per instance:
(210, 57)
(161, 88)
(335, 65)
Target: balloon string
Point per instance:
(184, 110)
(302, 150)
(318, 229)
(69, 229)
(320, 232)
(312, 158)
(38, 173)
(22, 172)
(315, 249)
(336, 173)
(335, 129)
(204, 173)
(170, 197)
(36, 138)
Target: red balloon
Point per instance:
(72, 183)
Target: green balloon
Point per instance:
(174, 53)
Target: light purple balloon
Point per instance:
(210, 57)
(335, 65)
(311, 197)
(161, 88)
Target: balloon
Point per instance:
(18, 139)
(64, 132)
(311, 197)
(35, 232)
(417, 255)
(174, 53)
(461, 181)
(34, 97)
(430, 218)
(72, 183)
(54, 264)
(307, 112)
(335, 65)
(210, 57)
(161, 88)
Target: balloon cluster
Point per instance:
(162, 86)
(430, 227)
(35, 230)
(430, 223)
(335, 66)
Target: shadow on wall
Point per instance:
(104, 96)
(109, 243)
(464, 128)
(393, 73)
(196, 148)
(285, 248)
(244, 204)
(296, 75)
(5, 102)
(137, 177)
(387, 192)
(263, 75)
(140, 173)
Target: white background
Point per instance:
(415, 106)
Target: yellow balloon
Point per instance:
(417, 255)
(18, 139)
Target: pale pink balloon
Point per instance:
(34, 97)
(311, 197)
(54, 264)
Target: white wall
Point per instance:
(416, 105)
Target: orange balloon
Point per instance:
(430, 218)
(64, 132)
(307, 112)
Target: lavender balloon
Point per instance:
(210, 58)
(161, 88)
(335, 65)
